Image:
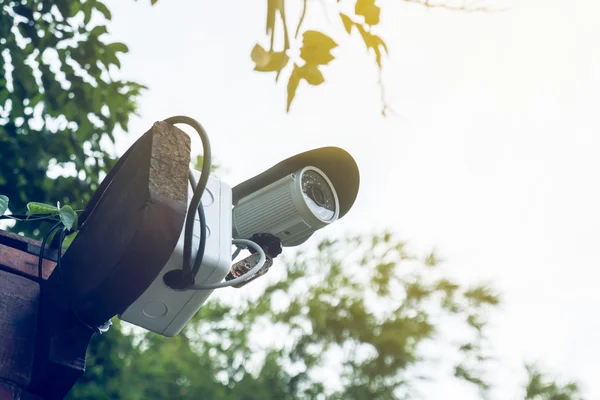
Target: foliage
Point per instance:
(3, 204)
(363, 307)
(58, 98)
(40, 211)
(363, 303)
(315, 46)
(539, 387)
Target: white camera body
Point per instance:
(291, 208)
(291, 200)
(166, 311)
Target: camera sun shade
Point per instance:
(332, 167)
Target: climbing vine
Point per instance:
(40, 211)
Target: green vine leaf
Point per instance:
(34, 208)
(3, 204)
(68, 217)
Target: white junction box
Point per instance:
(166, 311)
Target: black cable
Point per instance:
(202, 246)
(195, 203)
(43, 247)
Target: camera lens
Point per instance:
(318, 194)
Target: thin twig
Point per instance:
(385, 107)
(48, 218)
(449, 6)
(301, 19)
(286, 44)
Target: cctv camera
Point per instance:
(291, 208)
(297, 196)
(291, 200)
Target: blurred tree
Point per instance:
(58, 99)
(539, 387)
(358, 318)
(363, 303)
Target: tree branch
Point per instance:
(385, 107)
(301, 19)
(467, 6)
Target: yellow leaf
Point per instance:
(373, 42)
(292, 86)
(268, 61)
(316, 47)
(369, 10)
(347, 22)
(260, 56)
(311, 74)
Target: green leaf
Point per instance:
(98, 31)
(368, 10)
(40, 208)
(347, 22)
(316, 48)
(75, 8)
(87, 13)
(103, 9)
(118, 47)
(268, 61)
(3, 204)
(153, 2)
(68, 217)
(110, 57)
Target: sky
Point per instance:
(491, 156)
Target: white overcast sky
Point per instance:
(492, 157)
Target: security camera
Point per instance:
(291, 208)
(297, 196)
(289, 202)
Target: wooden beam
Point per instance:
(20, 255)
(134, 223)
(128, 232)
(19, 300)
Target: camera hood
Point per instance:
(336, 163)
